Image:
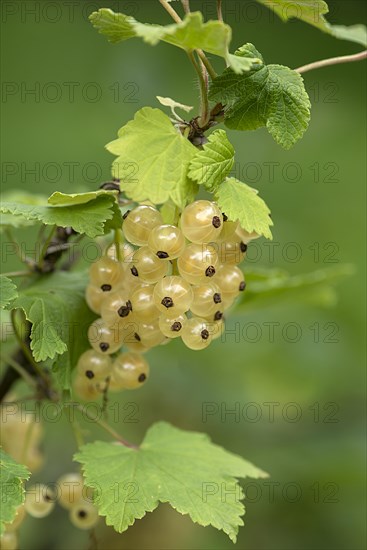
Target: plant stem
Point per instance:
(45, 247)
(171, 11)
(107, 428)
(204, 114)
(219, 10)
(19, 369)
(200, 53)
(17, 274)
(332, 61)
(186, 5)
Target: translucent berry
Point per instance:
(9, 541)
(104, 339)
(106, 274)
(143, 304)
(166, 242)
(173, 295)
(138, 224)
(207, 299)
(94, 366)
(70, 490)
(229, 229)
(201, 222)
(116, 308)
(130, 371)
(144, 335)
(94, 296)
(245, 236)
(39, 501)
(197, 333)
(126, 252)
(86, 389)
(172, 327)
(230, 280)
(84, 515)
(231, 252)
(198, 263)
(147, 266)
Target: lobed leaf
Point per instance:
(8, 291)
(159, 155)
(241, 202)
(192, 33)
(211, 165)
(182, 468)
(268, 95)
(12, 476)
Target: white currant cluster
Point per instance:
(165, 282)
(40, 500)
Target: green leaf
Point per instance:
(89, 213)
(159, 155)
(213, 163)
(241, 202)
(353, 33)
(12, 476)
(19, 196)
(273, 287)
(313, 12)
(182, 468)
(192, 33)
(270, 95)
(168, 102)
(60, 317)
(8, 291)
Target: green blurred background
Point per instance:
(313, 447)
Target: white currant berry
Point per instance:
(217, 329)
(138, 224)
(231, 252)
(197, 334)
(207, 299)
(147, 266)
(9, 541)
(94, 296)
(143, 304)
(126, 252)
(201, 222)
(94, 366)
(39, 500)
(173, 295)
(198, 263)
(229, 228)
(116, 308)
(230, 280)
(70, 489)
(172, 327)
(130, 371)
(84, 515)
(144, 335)
(106, 274)
(166, 242)
(246, 236)
(86, 389)
(104, 339)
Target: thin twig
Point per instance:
(204, 115)
(106, 427)
(186, 5)
(19, 369)
(332, 61)
(17, 274)
(209, 67)
(219, 10)
(41, 259)
(171, 11)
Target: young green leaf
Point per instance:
(313, 12)
(182, 468)
(19, 196)
(192, 33)
(269, 95)
(168, 102)
(213, 163)
(273, 287)
(153, 159)
(8, 291)
(55, 305)
(241, 202)
(12, 476)
(85, 213)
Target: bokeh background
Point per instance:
(313, 446)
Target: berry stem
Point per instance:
(332, 61)
(204, 115)
(186, 5)
(41, 259)
(219, 10)
(106, 427)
